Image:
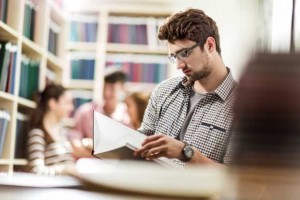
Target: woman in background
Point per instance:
(136, 105)
(49, 152)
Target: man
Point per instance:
(112, 93)
(189, 118)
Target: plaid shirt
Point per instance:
(210, 126)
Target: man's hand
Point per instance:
(156, 146)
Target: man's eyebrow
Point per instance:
(180, 50)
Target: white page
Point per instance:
(110, 134)
(113, 139)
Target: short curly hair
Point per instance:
(192, 24)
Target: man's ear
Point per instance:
(211, 44)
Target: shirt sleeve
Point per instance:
(229, 149)
(36, 154)
(151, 116)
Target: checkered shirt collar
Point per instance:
(222, 90)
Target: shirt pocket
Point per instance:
(211, 140)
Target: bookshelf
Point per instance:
(125, 36)
(32, 55)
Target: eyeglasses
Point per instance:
(183, 54)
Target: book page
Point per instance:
(113, 140)
(110, 134)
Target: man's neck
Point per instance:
(212, 81)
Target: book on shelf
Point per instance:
(127, 30)
(115, 141)
(8, 54)
(83, 28)
(3, 10)
(21, 135)
(29, 19)
(4, 120)
(140, 68)
(54, 31)
(82, 65)
(80, 97)
(134, 30)
(29, 78)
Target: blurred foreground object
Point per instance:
(266, 144)
(267, 112)
(138, 177)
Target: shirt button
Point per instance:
(211, 127)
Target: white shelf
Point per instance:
(26, 103)
(31, 49)
(80, 84)
(57, 13)
(132, 48)
(7, 33)
(139, 87)
(4, 161)
(54, 62)
(20, 162)
(6, 96)
(82, 46)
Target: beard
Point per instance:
(198, 75)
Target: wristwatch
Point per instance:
(187, 152)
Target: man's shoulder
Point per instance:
(86, 107)
(169, 84)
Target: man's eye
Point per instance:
(184, 54)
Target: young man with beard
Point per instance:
(189, 118)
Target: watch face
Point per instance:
(188, 151)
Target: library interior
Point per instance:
(62, 60)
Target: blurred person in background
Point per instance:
(136, 105)
(266, 141)
(49, 151)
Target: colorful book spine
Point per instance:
(4, 121)
(21, 135)
(134, 30)
(82, 65)
(84, 28)
(54, 32)
(8, 54)
(29, 78)
(140, 68)
(3, 10)
(29, 19)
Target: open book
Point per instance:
(113, 140)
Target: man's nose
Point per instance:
(180, 64)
